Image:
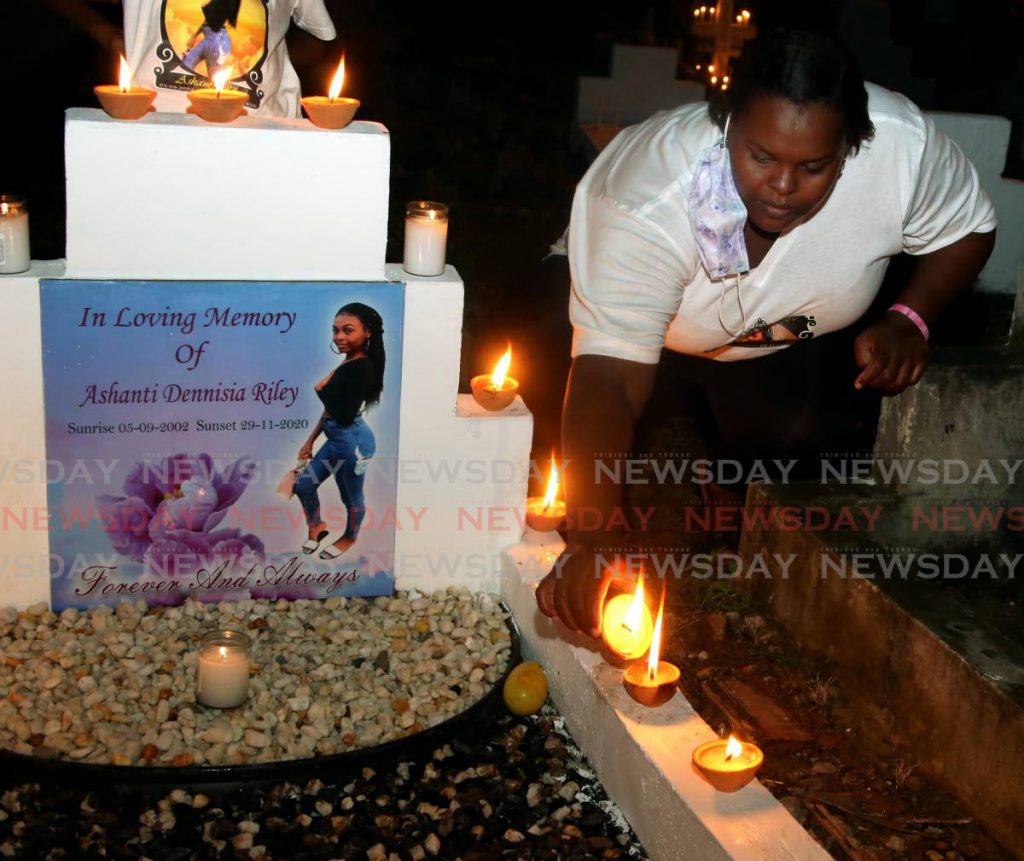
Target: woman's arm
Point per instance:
(604, 398)
(893, 352)
(100, 30)
(306, 452)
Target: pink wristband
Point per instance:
(913, 317)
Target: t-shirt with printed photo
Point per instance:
(174, 46)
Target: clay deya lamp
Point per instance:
(545, 513)
(627, 626)
(497, 390)
(123, 101)
(652, 682)
(332, 111)
(217, 104)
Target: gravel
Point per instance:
(520, 790)
(117, 685)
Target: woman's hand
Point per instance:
(306, 452)
(575, 590)
(892, 354)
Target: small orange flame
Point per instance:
(733, 748)
(223, 652)
(124, 81)
(501, 369)
(221, 78)
(634, 618)
(4, 208)
(652, 658)
(337, 81)
(551, 494)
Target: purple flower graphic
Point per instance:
(169, 513)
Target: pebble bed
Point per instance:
(117, 685)
(521, 790)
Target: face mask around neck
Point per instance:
(717, 214)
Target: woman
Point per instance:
(215, 45)
(358, 334)
(746, 230)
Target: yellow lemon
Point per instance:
(526, 688)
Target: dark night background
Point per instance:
(480, 100)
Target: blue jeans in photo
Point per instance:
(338, 457)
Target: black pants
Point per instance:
(797, 403)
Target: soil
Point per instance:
(861, 797)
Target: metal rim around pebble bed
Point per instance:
(481, 713)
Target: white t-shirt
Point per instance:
(172, 48)
(637, 281)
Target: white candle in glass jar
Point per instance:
(426, 236)
(223, 670)
(14, 248)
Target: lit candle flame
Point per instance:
(746, 15)
(739, 19)
(501, 369)
(3, 208)
(337, 81)
(223, 652)
(124, 82)
(634, 618)
(652, 658)
(733, 748)
(552, 491)
(221, 78)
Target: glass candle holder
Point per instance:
(222, 675)
(426, 236)
(14, 248)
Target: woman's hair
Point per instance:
(804, 68)
(374, 326)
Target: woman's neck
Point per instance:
(758, 243)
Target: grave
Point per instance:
(479, 518)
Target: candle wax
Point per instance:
(620, 638)
(14, 246)
(714, 758)
(665, 674)
(535, 505)
(425, 241)
(544, 519)
(223, 677)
